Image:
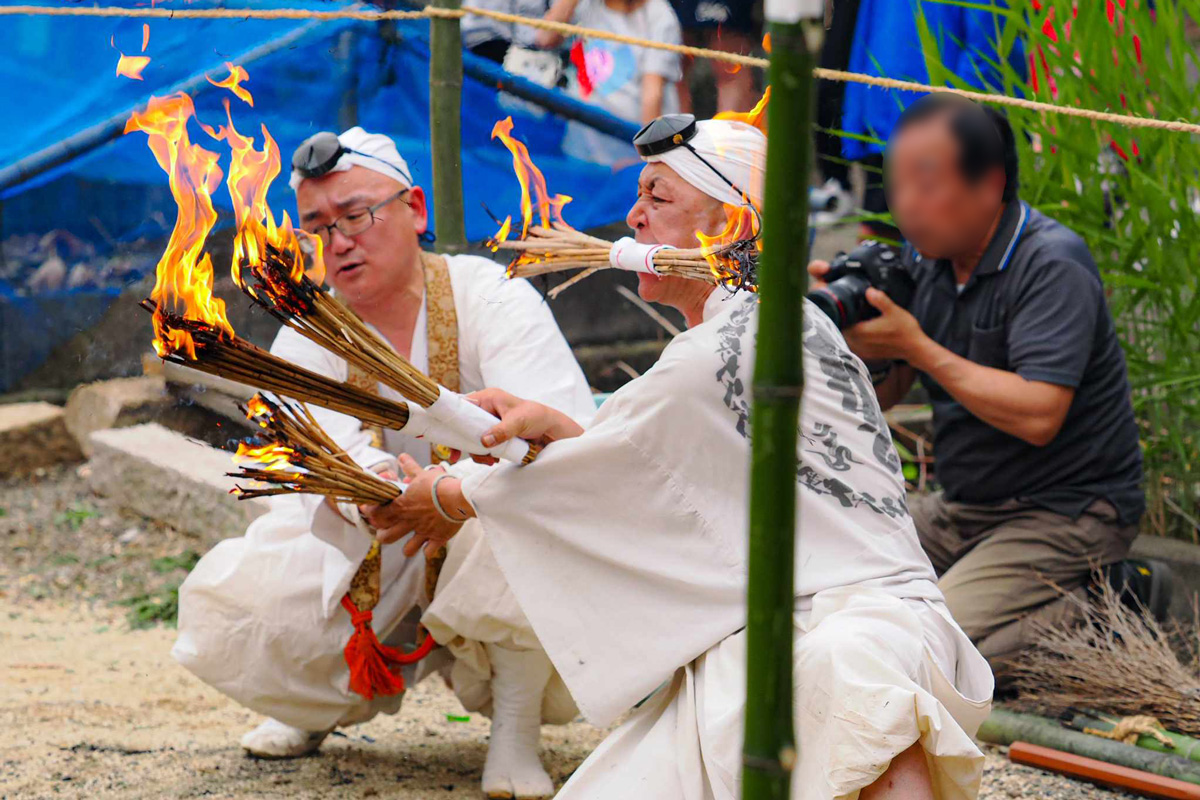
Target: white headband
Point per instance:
(372, 151)
(735, 149)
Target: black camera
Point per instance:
(872, 263)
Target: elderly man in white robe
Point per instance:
(260, 617)
(627, 550)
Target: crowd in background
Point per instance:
(633, 83)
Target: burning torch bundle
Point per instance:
(279, 284)
(298, 457)
(729, 259)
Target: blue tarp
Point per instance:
(57, 79)
(58, 85)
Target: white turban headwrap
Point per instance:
(373, 151)
(736, 149)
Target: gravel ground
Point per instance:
(92, 707)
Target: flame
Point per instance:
(501, 235)
(145, 35)
(741, 224)
(251, 173)
(233, 83)
(272, 456)
(258, 411)
(756, 116)
(767, 42)
(549, 208)
(184, 276)
(131, 66)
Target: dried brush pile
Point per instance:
(1120, 661)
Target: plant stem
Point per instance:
(445, 127)
(769, 746)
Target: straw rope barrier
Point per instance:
(429, 12)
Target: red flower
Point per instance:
(1119, 151)
(1137, 48)
(1137, 153)
(1048, 27)
(1037, 5)
(1111, 10)
(1033, 74)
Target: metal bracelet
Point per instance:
(437, 504)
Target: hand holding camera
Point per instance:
(865, 292)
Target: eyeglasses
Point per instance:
(352, 223)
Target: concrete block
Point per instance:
(1184, 560)
(168, 477)
(34, 435)
(117, 403)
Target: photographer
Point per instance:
(1034, 434)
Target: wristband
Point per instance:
(437, 504)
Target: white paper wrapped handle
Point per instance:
(455, 422)
(628, 254)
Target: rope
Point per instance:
(430, 12)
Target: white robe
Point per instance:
(260, 616)
(627, 552)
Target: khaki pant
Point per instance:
(1005, 568)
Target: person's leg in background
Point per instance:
(833, 200)
(1023, 567)
(727, 26)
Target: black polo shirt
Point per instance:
(1035, 306)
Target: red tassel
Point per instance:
(375, 667)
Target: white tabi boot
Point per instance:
(513, 769)
(274, 739)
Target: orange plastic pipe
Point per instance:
(1102, 773)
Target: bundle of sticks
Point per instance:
(280, 286)
(278, 283)
(556, 248)
(226, 355)
(298, 457)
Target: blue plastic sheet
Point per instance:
(58, 86)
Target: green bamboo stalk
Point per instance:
(445, 127)
(1005, 727)
(769, 750)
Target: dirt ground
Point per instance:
(92, 706)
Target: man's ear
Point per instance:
(420, 212)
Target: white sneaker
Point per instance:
(274, 739)
(830, 203)
(513, 769)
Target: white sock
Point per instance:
(274, 739)
(513, 769)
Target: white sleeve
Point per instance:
(342, 428)
(345, 430)
(520, 349)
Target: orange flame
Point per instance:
(502, 234)
(233, 83)
(756, 116)
(145, 35)
(767, 42)
(741, 224)
(272, 456)
(549, 208)
(131, 66)
(251, 172)
(184, 276)
(258, 411)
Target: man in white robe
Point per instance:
(626, 548)
(260, 617)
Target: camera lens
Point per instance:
(843, 300)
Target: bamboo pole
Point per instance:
(1005, 727)
(769, 750)
(445, 127)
